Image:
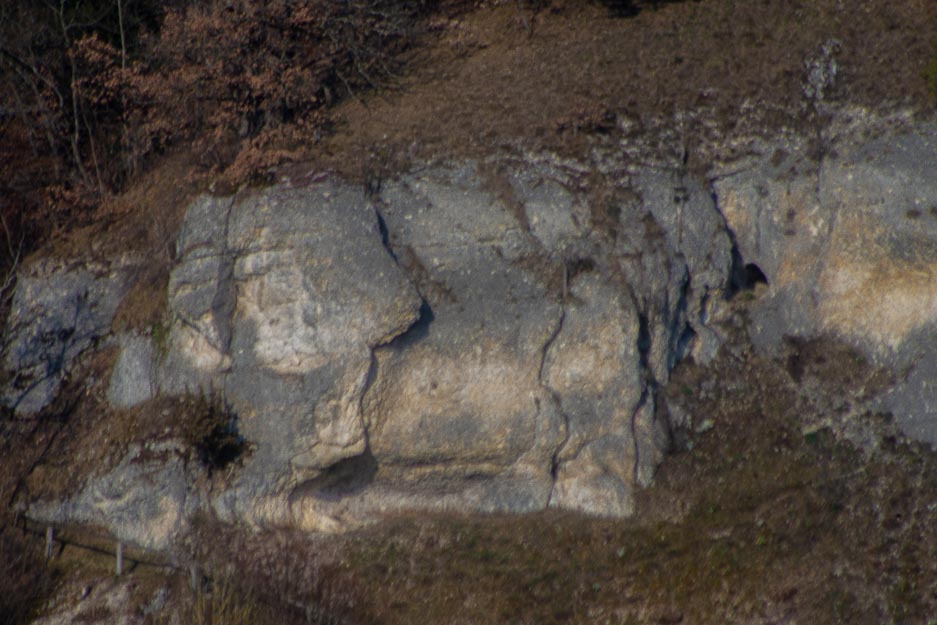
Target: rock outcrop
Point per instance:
(470, 338)
(491, 335)
(848, 245)
(148, 499)
(59, 312)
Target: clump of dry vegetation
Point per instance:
(91, 91)
(280, 576)
(25, 580)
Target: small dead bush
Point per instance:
(208, 424)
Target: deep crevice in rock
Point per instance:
(417, 331)
(645, 394)
(754, 275)
(644, 342)
(742, 276)
(224, 300)
(680, 338)
(555, 458)
(385, 235)
(647, 384)
(425, 316)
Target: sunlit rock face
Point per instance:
(492, 335)
(477, 337)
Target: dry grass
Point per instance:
(757, 523)
(483, 83)
(25, 580)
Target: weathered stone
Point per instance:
(146, 500)
(489, 341)
(60, 310)
(529, 380)
(849, 248)
(133, 380)
(593, 367)
(456, 411)
(696, 236)
(278, 302)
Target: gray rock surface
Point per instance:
(491, 336)
(134, 379)
(147, 499)
(59, 311)
(849, 248)
(475, 338)
(277, 302)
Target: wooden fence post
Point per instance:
(195, 577)
(50, 542)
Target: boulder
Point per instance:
(134, 378)
(277, 301)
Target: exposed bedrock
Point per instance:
(490, 336)
(61, 310)
(479, 337)
(849, 248)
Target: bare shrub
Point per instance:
(209, 427)
(248, 81)
(90, 91)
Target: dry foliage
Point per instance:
(278, 576)
(91, 91)
(25, 580)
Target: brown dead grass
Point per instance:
(485, 84)
(758, 522)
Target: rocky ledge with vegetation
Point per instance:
(388, 340)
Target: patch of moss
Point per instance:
(159, 332)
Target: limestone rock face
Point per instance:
(277, 302)
(60, 311)
(849, 248)
(487, 336)
(134, 379)
(474, 338)
(146, 500)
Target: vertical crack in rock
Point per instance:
(742, 276)
(555, 458)
(224, 300)
(416, 329)
(648, 385)
(679, 337)
(385, 235)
